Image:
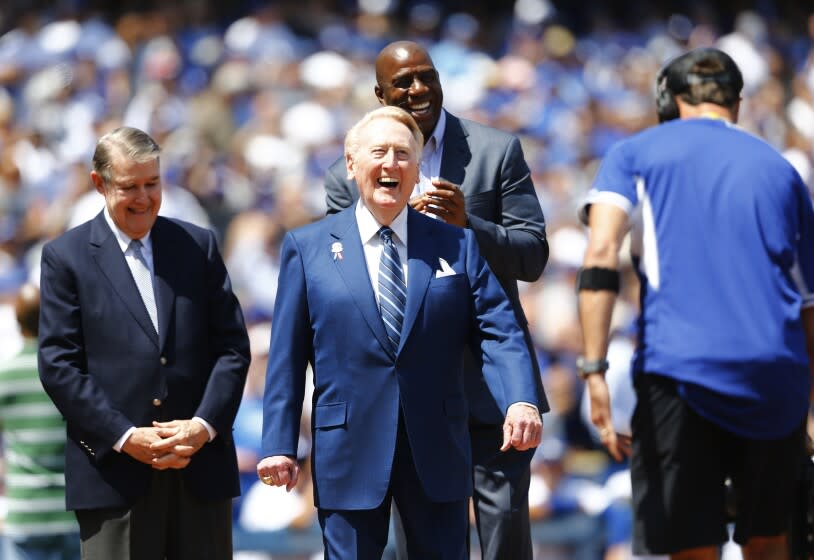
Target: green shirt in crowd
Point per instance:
(34, 451)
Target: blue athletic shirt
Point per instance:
(722, 237)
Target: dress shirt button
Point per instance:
(156, 402)
(163, 361)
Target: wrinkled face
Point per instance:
(385, 166)
(408, 79)
(133, 195)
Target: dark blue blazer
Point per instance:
(106, 369)
(326, 314)
(504, 213)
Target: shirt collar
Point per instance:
(123, 239)
(369, 227)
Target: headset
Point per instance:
(666, 107)
(677, 76)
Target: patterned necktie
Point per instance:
(392, 289)
(144, 281)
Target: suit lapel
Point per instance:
(109, 257)
(419, 271)
(165, 266)
(456, 154)
(352, 267)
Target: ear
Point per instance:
(350, 166)
(98, 182)
(379, 94)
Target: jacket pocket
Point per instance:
(330, 415)
(447, 281)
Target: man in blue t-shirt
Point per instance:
(722, 237)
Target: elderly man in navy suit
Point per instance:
(382, 301)
(144, 352)
(472, 176)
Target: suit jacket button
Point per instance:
(163, 361)
(156, 402)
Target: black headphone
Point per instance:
(677, 76)
(666, 107)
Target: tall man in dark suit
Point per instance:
(144, 351)
(474, 177)
(382, 301)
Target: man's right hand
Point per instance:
(138, 444)
(279, 470)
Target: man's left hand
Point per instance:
(181, 437)
(523, 428)
(446, 202)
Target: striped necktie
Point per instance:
(392, 289)
(144, 281)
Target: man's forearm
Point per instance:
(595, 311)
(519, 252)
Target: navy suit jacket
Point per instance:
(106, 369)
(503, 212)
(326, 314)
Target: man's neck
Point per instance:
(705, 110)
(384, 218)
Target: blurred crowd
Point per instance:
(251, 109)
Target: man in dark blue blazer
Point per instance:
(472, 176)
(390, 415)
(144, 351)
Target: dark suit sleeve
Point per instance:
(516, 247)
(62, 360)
(496, 341)
(289, 353)
(229, 346)
(338, 195)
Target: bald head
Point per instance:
(406, 77)
(397, 52)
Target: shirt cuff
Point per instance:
(120, 442)
(212, 431)
(527, 404)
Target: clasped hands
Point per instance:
(166, 445)
(446, 201)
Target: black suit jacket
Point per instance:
(106, 369)
(505, 215)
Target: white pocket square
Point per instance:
(445, 269)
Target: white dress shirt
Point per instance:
(373, 245)
(147, 251)
(431, 157)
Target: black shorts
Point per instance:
(679, 467)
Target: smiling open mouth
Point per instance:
(388, 182)
(419, 109)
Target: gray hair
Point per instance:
(132, 143)
(386, 112)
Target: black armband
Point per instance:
(596, 278)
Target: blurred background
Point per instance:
(250, 101)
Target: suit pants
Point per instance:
(501, 498)
(168, 522)
(434, 530)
